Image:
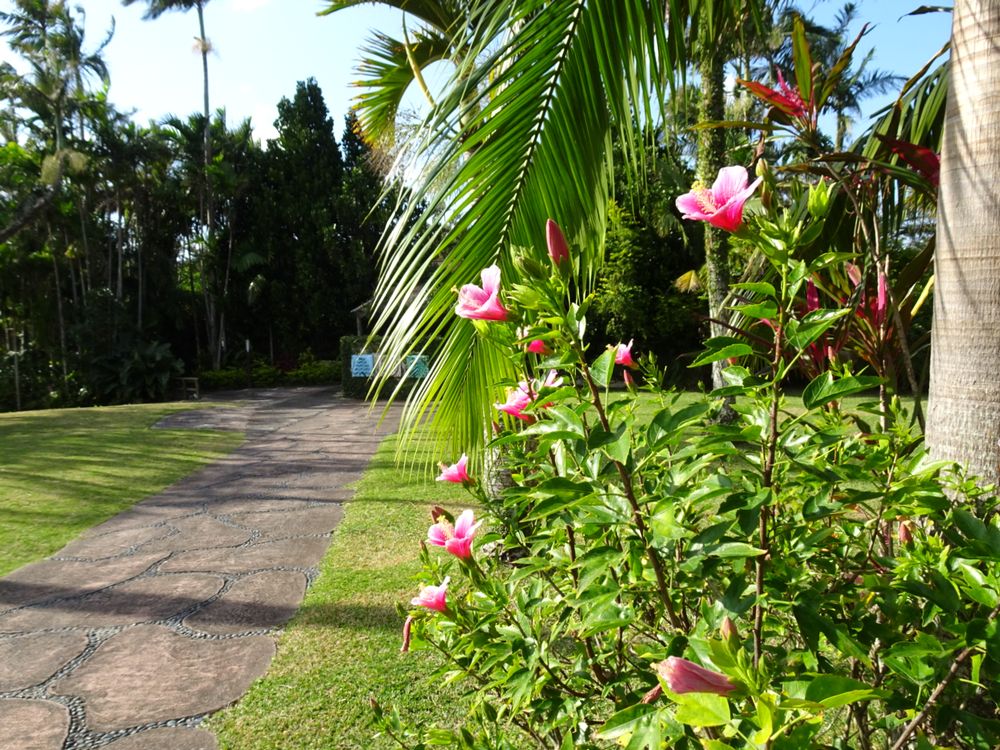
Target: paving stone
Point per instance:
(238, 501)
(32, 725)
(290, 553)
(149, 673)
(143, 600)
(56, 578)
(198, 532)
(142, 515)
(314, 520)
(28, 660)
(167, 738)
(265, 600)
(112, 543)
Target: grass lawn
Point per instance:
(65, 470)
(343, 645)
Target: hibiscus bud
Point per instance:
(683, 676)
(558, 249)
(819, 200)
(530, 267)
(539, 347)
(905, 533)
(437, 512)
(728, 629)
(653, 695)
(406, 634)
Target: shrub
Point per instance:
(796, 578)
(140, 373)
(227, 379)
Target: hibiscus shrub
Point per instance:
(800, 577)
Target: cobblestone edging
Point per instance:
(133, 633)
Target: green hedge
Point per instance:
(309, 372)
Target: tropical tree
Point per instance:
(963, 421)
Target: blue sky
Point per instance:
(263, 47)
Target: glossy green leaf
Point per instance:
(826, 388)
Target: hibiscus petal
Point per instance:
(463, 524)
(436, 535)
(730, 182)
(690, 206)
(491, 280)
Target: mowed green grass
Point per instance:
(65, 470)
(342, 648)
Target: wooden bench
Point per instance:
(188, 388)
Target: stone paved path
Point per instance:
(131, 634)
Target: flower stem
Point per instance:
(768, 475)
(626, 478)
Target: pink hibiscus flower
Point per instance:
(722, 206)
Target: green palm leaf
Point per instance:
(387, 69)
(443, 15)
(534, 110)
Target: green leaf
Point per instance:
(625, 721)
(734, 549)
(603, 368)
(757, 287)
(666, 427)
(702, 709)
(761, 310)
(722, 347)
(825, 388)
(833, 691)
(813, 325)
(803, 59)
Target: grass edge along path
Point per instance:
(63, 471)
(342, 647)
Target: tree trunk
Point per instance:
(209, 219)
(62, 319)
(711, 153)
(963, 420)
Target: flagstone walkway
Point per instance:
(134, 632)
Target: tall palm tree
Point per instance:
(963, 421)
(156, 8)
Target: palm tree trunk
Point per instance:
(711, 152)
(208, 119)
(963, 420)
(62, 319)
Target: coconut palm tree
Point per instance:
(963, 421)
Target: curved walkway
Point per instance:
(134, 632)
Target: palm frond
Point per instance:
(534, 102)
(387, 69)
(442, 15)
